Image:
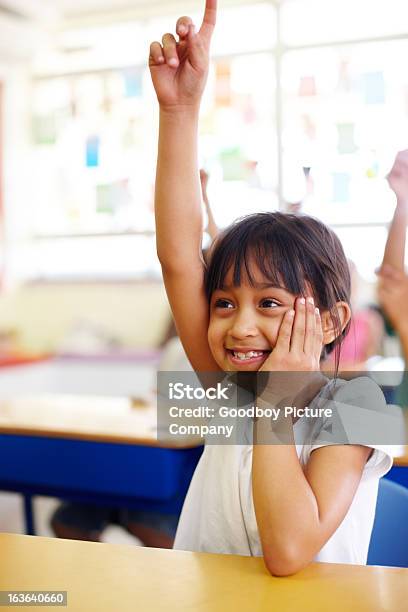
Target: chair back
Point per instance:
(389, 538)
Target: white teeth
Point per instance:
(248, 355)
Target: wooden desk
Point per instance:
(86, 417)
(108, 578)
(402, 460)
(93, 450)
(96, 450)
(399, 471)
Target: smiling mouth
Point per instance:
(247, 356)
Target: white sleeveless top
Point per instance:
(218, 515)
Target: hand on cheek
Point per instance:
(300, 340)
(295, 358)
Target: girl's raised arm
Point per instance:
(179, 70)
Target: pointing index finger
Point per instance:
(210, 18)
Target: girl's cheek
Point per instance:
(216, 341)
(271, 329)
(212, 337)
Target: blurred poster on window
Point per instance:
(233, 165)
(307, 86)
(110, 197)
(346, 143)
(223, 92)
(373, 87)
(133, 83)
(341, 187)
(92, 151)
(44, 129)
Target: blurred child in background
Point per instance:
(393, 280)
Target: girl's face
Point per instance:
(245, 321)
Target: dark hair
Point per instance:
(290, 251)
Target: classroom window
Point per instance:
(345, 116)
(310, 22)
(306, 101)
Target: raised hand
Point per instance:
(204, 176)
(179, 68)
(398, 177)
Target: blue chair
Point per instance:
(389, 539)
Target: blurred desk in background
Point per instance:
(116, 374)
(402, 460)
(399, 471)
(19, 359)
(92, 449)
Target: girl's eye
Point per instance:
(269, 303)
(223, 304)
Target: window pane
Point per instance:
(93, 154)
(244, 29)
(95, 135)
(364, 246)
(313, 21)
(345, 117)
(86, 258)
(237, 142)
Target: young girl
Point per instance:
(275, 297)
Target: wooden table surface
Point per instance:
(110, 578)
(402, 460)
(99, 418)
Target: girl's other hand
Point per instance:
(300, 340)
(393, 296)
(204, 176)
(179, 68)
(398, 177)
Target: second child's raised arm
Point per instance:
(398, 180)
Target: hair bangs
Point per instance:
(245, 248)
(270, 257)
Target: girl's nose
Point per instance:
(243, 326)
